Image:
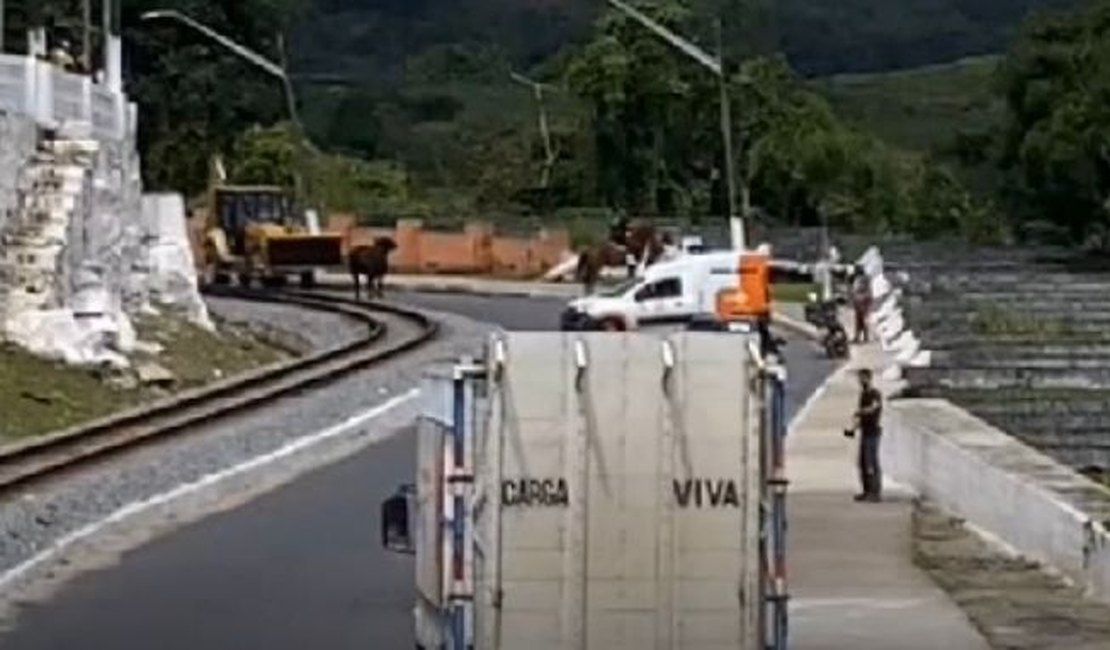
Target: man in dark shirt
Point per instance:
(861, 305)
(868, 421)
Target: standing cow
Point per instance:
(373, 263)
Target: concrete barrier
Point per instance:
(1040, 508)
(476, 250)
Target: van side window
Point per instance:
(667, 288)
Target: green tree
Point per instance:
(646, 111)
(275, 156)
(195, 97)
(265, 157)
(1057, 139)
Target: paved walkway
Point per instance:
(853, 582)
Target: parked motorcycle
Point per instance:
(824, 314)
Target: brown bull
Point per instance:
(373, 263)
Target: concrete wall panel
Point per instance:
(1029, 501)
(620, 561)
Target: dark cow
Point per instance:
(373, 263)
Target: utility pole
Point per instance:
(86, 36)
(545, 130)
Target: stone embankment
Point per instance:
(82, 250)
(1022, 341)
(1018, 380)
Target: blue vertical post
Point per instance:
(777, 485)
(458, 521)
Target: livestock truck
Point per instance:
(599, 492)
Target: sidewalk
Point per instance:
(852, 579)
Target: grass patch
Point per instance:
(196, 356)
(793, 291)
(993, 321)
(38, 396)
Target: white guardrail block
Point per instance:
(1040, 508)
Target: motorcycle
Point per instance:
(824, 314)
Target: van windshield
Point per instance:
(619, 289)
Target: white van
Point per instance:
(673, 291)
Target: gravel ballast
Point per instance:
(34, 520)
(294, 328)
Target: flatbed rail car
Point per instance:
(599, 491)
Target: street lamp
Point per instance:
(714, 64)
(243, 52)
(302, 185)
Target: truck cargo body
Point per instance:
(599, 491)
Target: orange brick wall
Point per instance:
(475, 251)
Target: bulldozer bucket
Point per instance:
(304, 250)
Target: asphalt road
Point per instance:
(298, 568)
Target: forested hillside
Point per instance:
(411, 103)
(368, 39)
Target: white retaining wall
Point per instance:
(76, 255)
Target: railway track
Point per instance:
(390, 331)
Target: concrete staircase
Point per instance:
(1019, 338)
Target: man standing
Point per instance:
(868, 421)
(861, 305)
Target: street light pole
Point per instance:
(277, 70)
(287, 84)
(86, 36)
(716, 66)
(736, 225)
(243, 52)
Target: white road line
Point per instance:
(59, 545)
(808, 405)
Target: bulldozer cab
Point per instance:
(236, 208)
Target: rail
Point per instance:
(50, 455)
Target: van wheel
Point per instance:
(612, 325)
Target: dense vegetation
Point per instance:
(1029, 130)
(1055, 142)
(373, 39)
(412, 100)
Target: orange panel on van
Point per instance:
(752, 298)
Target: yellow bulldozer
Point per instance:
(256, 233)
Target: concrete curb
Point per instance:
(478, 287)
(540, 291)
(466, 286)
